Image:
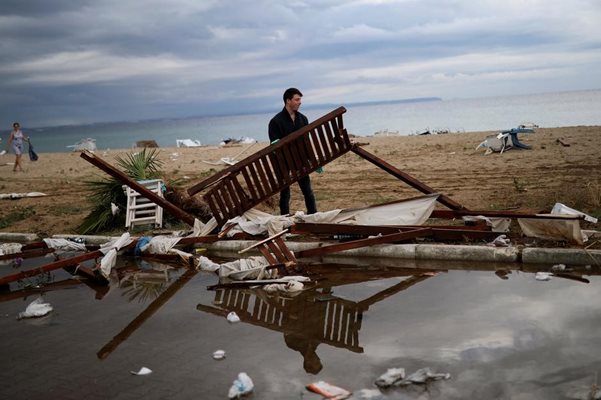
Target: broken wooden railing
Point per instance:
(249, 182)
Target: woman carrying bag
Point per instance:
(16, 139)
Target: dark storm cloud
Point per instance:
(112, 60)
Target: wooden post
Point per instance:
(408, 179)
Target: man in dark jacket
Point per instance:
(281, 125)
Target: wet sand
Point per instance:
(498, 338)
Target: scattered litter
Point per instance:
(500, 241)
(328, 390)
(543, 276)
(84, 144)
(3, 152)
(558, 267)
(114, 209)
(219, 355)
(559, 209)
(13, 196)
(233, 317)
(241, 386)
(390, 377)
(187, 143)
(10, 248)
(35, 309)
(142, 371)
(396, 377)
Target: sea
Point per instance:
(546, 110)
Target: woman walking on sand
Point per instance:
(16, 139)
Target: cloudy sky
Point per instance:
(70, 62)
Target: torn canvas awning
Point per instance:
(414, 211)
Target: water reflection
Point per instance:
(316, 315)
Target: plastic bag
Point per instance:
(241, 386)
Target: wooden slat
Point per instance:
(283, 142)
(354, 244)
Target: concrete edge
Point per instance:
(510, 254)
(533, 255)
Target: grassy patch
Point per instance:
(15, 216)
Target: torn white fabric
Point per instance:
(552, 229)
(10, 248)
(247, 268)
(206, 264)
(160, 244)
(405, 212)
(562, 209)
(36, 308)
(202, 229)
(497, 224)
(64, 244)
(291, 287)
(110, 250)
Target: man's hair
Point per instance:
(16, 124)
(289, 93)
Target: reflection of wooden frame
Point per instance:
(274, 250)
(163, 298)
(314, 315)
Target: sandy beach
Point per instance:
(564, 165)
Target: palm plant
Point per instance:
(138, 166)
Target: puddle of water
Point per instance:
(498, 338)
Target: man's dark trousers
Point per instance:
(305, 185)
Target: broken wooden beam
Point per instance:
(452, 214)
(147, 313)
(354, 244)
(67, 262)
(442, 232)
(149, 194)
(408, 179)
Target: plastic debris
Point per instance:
(241, 386)
(558, 267)
(423, 375)
(328, 390)
(142, 371)
(396, 377)
(500, 241)
(543, 276)
(390, 377)
(233, 317)
(219, 354)
(35, 309)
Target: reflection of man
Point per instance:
(305, 322)
(281, 125)
(311, 363)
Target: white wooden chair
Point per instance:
(140, 210)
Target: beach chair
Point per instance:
(140, 210)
